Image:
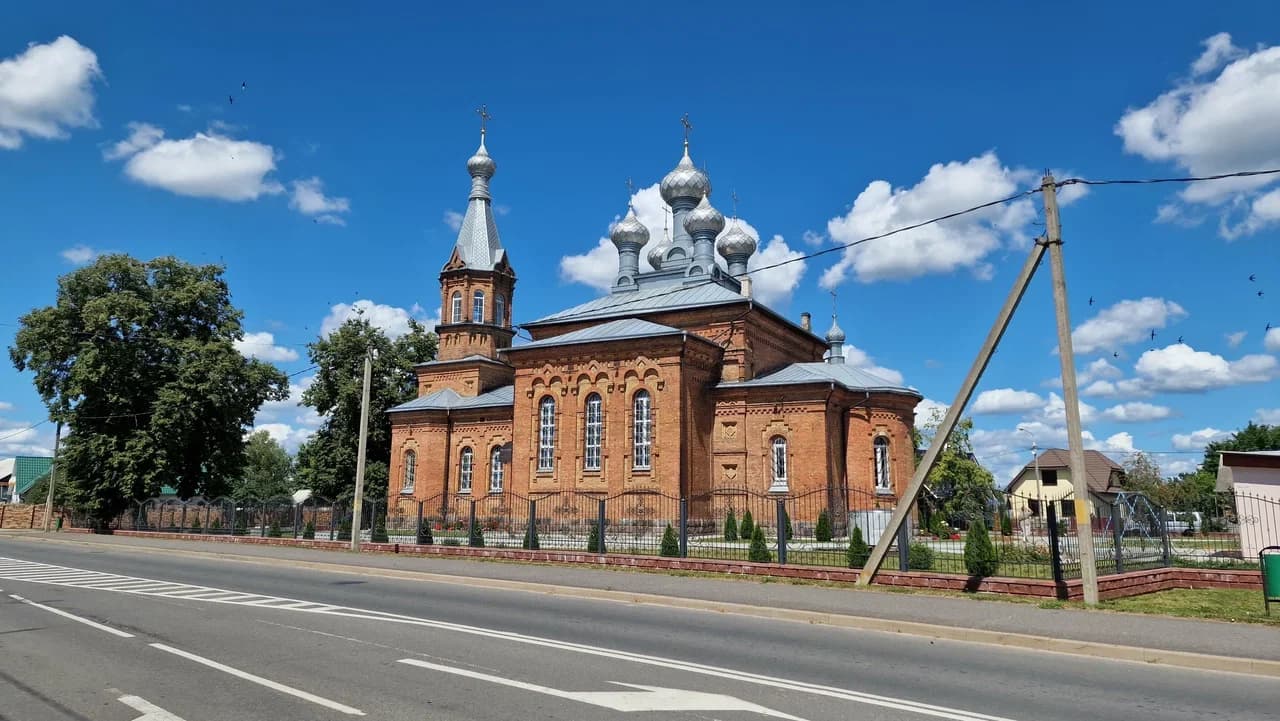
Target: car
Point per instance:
(1179, 522)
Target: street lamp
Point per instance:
(1035, 456)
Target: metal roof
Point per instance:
(27, 469)
(647, 300)
(1098, 468)
(855, 379)
(449, 399)
(627, 328)
(464, 359)
(478, 243)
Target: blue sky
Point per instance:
(329, 182)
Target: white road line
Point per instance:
(73, 617)
(268, 683)
(150, 711)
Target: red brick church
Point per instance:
(676, 382)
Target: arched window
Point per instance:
(477, 307)
(778, 456)
(642, 430)
(547, 434)
(455, 310)
(593, 433)
(499, 310)
(465, 465)
(884, 481)
(496, 471)
(410, 471)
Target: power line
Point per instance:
(1154, 181)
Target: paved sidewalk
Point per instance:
(1240, 640)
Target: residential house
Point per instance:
(1253, 479)
(17, 475)
(1030, 495)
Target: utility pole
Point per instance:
(1070, 395)
(357, 505)
(53, 469)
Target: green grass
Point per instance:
(1212, 603)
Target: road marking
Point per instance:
(150, 711)
(274, 685)
(73, 617)
(648, 698)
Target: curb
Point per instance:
(1091, 649)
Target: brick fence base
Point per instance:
(1115, 586)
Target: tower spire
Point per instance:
(835, 336)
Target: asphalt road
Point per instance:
(114, 635)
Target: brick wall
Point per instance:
(17, 516)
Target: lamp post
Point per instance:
(1035, 456)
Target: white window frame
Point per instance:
(546, 434)
(593, 432)
(409, 477)
(778, 464)
(466, 467)
(882, 468)
(477, 306)
(642, 430)
(455, 307)
(497, 471)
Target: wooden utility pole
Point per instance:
(1070, 394)
(908, 498)
(53, 470)
(357, 505)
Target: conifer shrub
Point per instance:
(747, 526)
(730, 526)
(759, 551)
(670, 543)
(309, 530)
(822, 531)
(859, 551)
(979, 555)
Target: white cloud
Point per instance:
(453, 219)
(288, 421)
(1271, 341)
(309, 199)
(1128, 321)
(5, 406)
(927, 409)
(963, 242)
(1210, 124)
(262, 346)
(45, 90)
(206, 165)
(813, 239)
(285, 434)
(1054, 412)
(1179, 368)
(1235, 339)
(1267, 416)
(1116, 389)
(1197, 440)
(79, 254)
(598, 267)
(184, 108)
(141, 137)
(20, 439)
(1006, 400)
(1136, 412)
(859, 359)
(392, 320)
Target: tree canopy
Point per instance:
(138, 359)
(963, 488)
(268, 469)
(326, 463)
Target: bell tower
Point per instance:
(477, 283)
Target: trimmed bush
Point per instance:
(730, 526)
(919, 557)
(747, 526)
(379, 533)
(786, 525)
(451, 541)
(822, 531)
(671, 544)
(242, 527)
(759, 549)
(195, 525)
(859, 551)
(593, 538)
(1023, 553)
(344, 530)
(939, 527)
(979, 555)
(215, 524)
(424, 533)
(1006, 525)
(476, 538)
(273, 531)
(531, 542)
(309, 530)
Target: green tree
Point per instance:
(859, 551)
(39, 491)
(747, 526)
(424, 533)
(730, 526)
(531, 542)
(593, 538)
(138, 359)
(1253, 437)
(379, 533)
(475, 538)
(979, 554)
(273, 531)
(964, 489)
(309, 530)
(670, 543)
(267, 470)
(822, 531)
(759, 550)
(326, 463)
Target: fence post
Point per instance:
(471, 525)
(262, 522)
(782, 531)
(531, 529)
(205, 525)
(232, 530)
(33, 517)
(1117, 535)
(600, 527)
(417, 526)
(182, 524)
(1055, 553)
(684, 527)
(2, 507)
(1164, 536)
(904, 546)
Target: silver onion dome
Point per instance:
(481, 165)
(835, 335)
(704, 218)
(629, 231)
(656, 253)
(685, 181)
(737, 241)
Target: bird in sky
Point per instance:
(1115, 354)
(1090, 300)
(244, 85)
(1153, 334)
(1252, 277)
(1259, 294)
(1268, 327)
(231, 100)
(1179, 340)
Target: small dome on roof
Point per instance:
(704, 218)
(629, 231)
(737, 241)
(685, 181)
(481, 165)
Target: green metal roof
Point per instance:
(28, 469)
